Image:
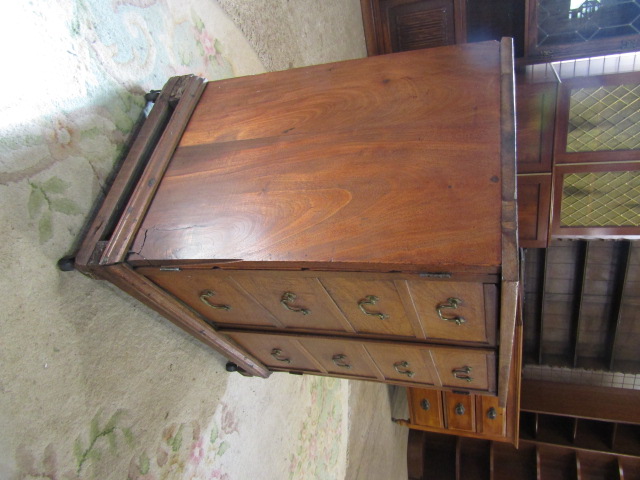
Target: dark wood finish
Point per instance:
(111, 207)
(535, 112)
(272, 206)
(188, 91)
(534, 201)
(558, 231)
(584, 401)
(402, 25)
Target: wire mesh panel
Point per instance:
(601, 199)
(604, 119)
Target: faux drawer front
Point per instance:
(296, 301)
(276, 351)
(465, 369)
(426, 407)
(459, 411)
(371, 306)
(399, 363)
(459, 311)
(215, 295)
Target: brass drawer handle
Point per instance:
(492, 414)
(277, 354)
(205, 295)
(289, 297)
(403, 365)
(371, 300)
(460, 409)
(339, 360)
(462, 373)
(425, 405)
(452, 303)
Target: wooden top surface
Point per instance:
(389, 160)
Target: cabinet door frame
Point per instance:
(561, 156)
(557, 231)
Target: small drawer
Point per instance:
(466, 369)
(402, 363)
(274, 351)
(459, 411)
(370, 306)
(460, 311)
(426, 407)
(214, 295)
(490, 418)
(297, 300)
(341, 357)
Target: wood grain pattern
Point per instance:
(456, 420)
(111, 207)
(339, 164)
(433, 416)
(187, 91)
(534, 200)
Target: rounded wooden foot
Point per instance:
(67, 264)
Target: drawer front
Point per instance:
(296, 301)
(465, 369)
(344, 358)
(215, 296)
(401, 363)
(459, 411)
(371, 306)
(426, 407)
(456, 310)
(276, 351)
(490, 418)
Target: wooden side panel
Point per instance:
(535, 114)
(534, 200)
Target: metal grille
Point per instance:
(601, 199)
(604, 119)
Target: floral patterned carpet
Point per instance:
(93, 385)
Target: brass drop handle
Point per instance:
(452, 303)
(462, 373)
(460, 409)
(205, 295)
(492, 414)
(290, 297)
(425, 405)
(340, 361)
(404, 371)
(371, 300)
(277, 354)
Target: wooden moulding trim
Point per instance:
(150, 294)
(510, 264)
(369, 21)
(110, 209)
(187, 92)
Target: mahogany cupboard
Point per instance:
(355, 219)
